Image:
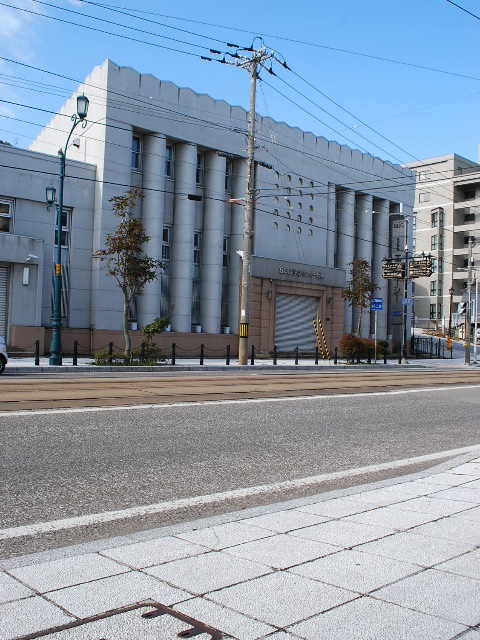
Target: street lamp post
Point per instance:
(450, 291)
(56, 344)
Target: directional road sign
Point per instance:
(376, 304)
(407, 301)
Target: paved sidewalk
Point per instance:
(85, 365)
(398, 559)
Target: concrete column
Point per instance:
(181, 264)
(239, 181)
(363, 249)
(212, 243)
(331, 206)
(346, 241)
(153, 163)
(381, 209)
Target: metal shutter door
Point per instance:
(293, 322)
(3, 301)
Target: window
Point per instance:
(440, 265)
(199, 174)
(228, 176)
(469, 195)
(136, 153)
(434, 218)
(439, 310)
(414, 223)
(441, 242)
(225, 253)
(422, 175)
(166, 243)
(225, 281)
(423, 196)
(414, 244)
(196, 278)
(66, 217)
(440, 289)
(169, 161)
(442, 217)
(165, 272)
(6, 216)
(434, 265)
(196, 248)
(434, 242)
(433, 288)
(433, 312)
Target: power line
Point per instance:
(294, 41)
(463, 9)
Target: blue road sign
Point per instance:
(407, 301)
(376, 304)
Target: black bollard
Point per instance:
(110, 353)
(37, 352)
(227, 361)
(275, 354)
(173, 353)
(201, 353)
(75, 353)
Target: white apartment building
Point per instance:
(318, 205)
(446, 216)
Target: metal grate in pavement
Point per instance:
(146, 621)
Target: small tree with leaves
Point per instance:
(360, 288)
(125, 258)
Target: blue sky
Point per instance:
(341, 49)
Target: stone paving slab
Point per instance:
(392, 560)
(281, 598)
(366, 619)
(352, 569)
(451, 597)
(96, 597)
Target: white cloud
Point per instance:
(19, 30)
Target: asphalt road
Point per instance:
(70, 463)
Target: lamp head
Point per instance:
(50, 195)
(82, 106)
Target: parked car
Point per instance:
(3, 355)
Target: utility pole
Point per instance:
(468, 310)
(253, 63)
(404, 337)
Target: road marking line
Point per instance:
(200, 403)
(173, 505)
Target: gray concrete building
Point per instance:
(446, 216)
(318, 205)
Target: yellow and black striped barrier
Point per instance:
(324, 341)
(318, 339)
(244, 330)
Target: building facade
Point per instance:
(318, 205)
(446, 217)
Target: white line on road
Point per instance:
(185, 503)
(200, 403)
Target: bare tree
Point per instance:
(360, 288)
(124, 256)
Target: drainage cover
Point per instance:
(144, 621)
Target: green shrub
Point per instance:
(351, 347)
(368, 348)
(102, 357)
(382, 346)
